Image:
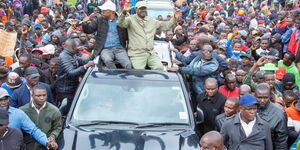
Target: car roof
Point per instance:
(133, 74)
(158, 5)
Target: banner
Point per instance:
(7, 43)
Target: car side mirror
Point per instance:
(63, 106)
(200, 116)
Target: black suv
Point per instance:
(130, 110)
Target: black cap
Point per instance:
(3, 116)
(203, 29)
(26, 22)
(32, 72)
(36, 62)
(74, 35)
(9, 23)
(288, 78)
(58, 19)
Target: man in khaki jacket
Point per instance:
(141, 30)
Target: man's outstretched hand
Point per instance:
(261, 61)
(24, 31)
(90, 64)
(127, 7)
(172, 69)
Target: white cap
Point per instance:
(48, 49)
(108, 5)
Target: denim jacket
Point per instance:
(200, 71)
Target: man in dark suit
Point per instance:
(22, 95)
(211, 102)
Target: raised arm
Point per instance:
(166, 25)
(89, 27)
(124, 21)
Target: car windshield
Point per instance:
(155, 12)
(135, 101)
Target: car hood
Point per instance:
(75, 139)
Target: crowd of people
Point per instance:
(240, 58)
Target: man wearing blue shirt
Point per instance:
(111, 39)
(18, 119)
(285, 38)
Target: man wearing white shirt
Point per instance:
(247, 130)
(253, 22)
(44, 115)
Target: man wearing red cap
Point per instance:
(45, 12)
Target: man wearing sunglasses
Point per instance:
(202, 67)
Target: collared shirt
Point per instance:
(112, 38)
(30, 90)
(247, 126)
(141, 32)
(6, 131)
(220, 120)
(38, 110)
(262, 52)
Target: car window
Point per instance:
(155, 12)
(132, 101)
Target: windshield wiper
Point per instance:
(147, 125)
(101, 122)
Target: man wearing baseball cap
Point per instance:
(22, 95)
(110, 39)
(9, 26)
(141, 30)
(247, 130)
